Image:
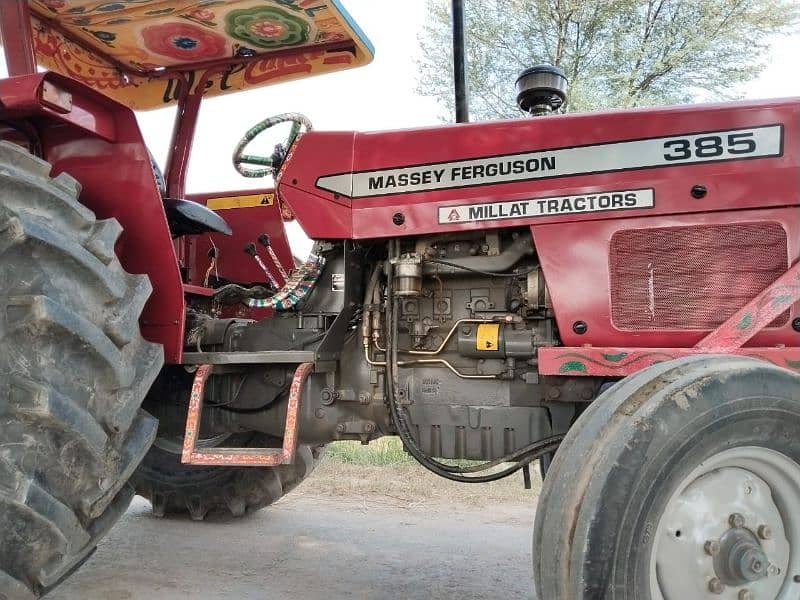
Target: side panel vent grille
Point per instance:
(694, 277)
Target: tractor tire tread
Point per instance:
(234, 492)
(75, 371)
(573, 487)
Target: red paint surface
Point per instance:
(17, 36)
(247, 224)
(99, 143)
(91, 112)
(321, 214)
(619, 362)
(575, 261)
(180, 146)
(732, 185)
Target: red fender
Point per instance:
(98, 141)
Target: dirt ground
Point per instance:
(349, 532)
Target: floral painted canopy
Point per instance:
(140, 51)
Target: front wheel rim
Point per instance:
(736, 508)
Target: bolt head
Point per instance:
(715, 586)
(340, 428)
(699, 191)
(745, 595)
(736, 520)
(580, 327)
(764, 532)
(711, 547)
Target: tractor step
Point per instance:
(242, 457)
(248, 358)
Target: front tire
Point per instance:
(74, 370)
(664, 462)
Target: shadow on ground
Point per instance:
(315, 548)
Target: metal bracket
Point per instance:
(267, 357)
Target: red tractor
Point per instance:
(618, 292)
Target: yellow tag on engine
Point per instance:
(240, 201)
(488, 337)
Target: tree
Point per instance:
(616, 53)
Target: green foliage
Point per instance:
(380, 453)
(383, 452)
(616, 53)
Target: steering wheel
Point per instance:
(274, 162)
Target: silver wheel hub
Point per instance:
(731, 530)
(741, 558)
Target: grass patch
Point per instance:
(383, 452)
(384, 469)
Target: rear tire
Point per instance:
(174, 488)
(607, 525)
(74, 370)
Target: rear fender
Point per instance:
(97, 141)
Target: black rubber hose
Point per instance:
(438, 261)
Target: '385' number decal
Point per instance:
(710, 146)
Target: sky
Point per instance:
(379, 96)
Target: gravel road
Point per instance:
(315, 548)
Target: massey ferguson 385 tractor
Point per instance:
(618, 292)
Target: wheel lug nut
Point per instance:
(711, 547)
(773, 570)
(764, 532)
(715, 586)
(745, 595)
(736, 520)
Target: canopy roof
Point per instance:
(140, 51)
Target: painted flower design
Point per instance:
(54, 4)
(267, 27)
(183, 41)
(202, 14)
